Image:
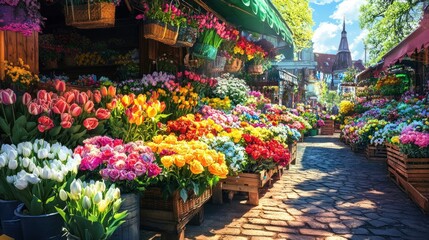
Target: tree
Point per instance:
(388, 23)
(298, 16)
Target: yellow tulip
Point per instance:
(126, 100)
(179, 161)
(151, 111)
(157, 139)
(196, 167)
(167, 161)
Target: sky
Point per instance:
(328, 23)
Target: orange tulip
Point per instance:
(157, 139)
(140, 100)
(103, 91)
(111, 91)
(196, 167)
(218, 170)
(151, 112)
(112, 104)
(167, 161)
(189, 158)
(126, 100)
(179, 161)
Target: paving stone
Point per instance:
(315, 232)
(259, 221)
(252, 226)
(281, 229)
(335, 238)
(327, 219)
(391, 232)
(360, 231)
(296, 223)
(261, 238)
(226, 237)
(229, 231)
(279, 223)
(353, 223)
(258, 233)
(339, 228)
(317, 225)
(295, 236)
(377, 223)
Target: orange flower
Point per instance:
(196, 167)
(112, 104)
(157, 139)
(218, 170)
(103, 91)
(111, 91)
(179, 161)
(126, 100)
(151, 112)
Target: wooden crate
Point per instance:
(293, 150)
(243, 182)
(170, 216)
(328, 129)
(14, 45)
(411, 169)
(376, 152)
(418, 192)
(357, 148)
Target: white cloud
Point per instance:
(356, 46)
(326, 37)
(323, 2)
(348, 9)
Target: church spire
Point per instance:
(343, 58)
(344, 24)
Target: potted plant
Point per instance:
(18, 76)
(162, 21)
(84, 14)
(20, 16)
(92, 210)
(45, 169)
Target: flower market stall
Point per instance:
(96, 148)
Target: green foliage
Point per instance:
(388, 23)
(298, 16)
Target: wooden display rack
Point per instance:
(328, 129)
(412, 170)
(293, 150)
(243, 182)
(376, 152)
(356, 148)
(418, 192)
(171, 216)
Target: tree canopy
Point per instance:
(388, 22)
(298, 16)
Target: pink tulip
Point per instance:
(26, 98)
(7, 96)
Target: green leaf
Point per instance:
(4, 126)
(184, 194)
(77, 136)
(62, 213)
(75, 129)
(31, 126)
(196, 188)
(55, 131)
(36, 207)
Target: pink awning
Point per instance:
(416, 41)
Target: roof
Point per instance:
(416, 41)
(324, 61)
(259, 16)
(358, 65)
(343, 58)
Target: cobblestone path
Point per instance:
(332, 193)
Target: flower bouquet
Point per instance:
(92, 210)
(234, 88)
(193, 127)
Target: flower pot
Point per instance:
(11, 14)
(312, 132)
(187, 37)
(131, 228)
(217, 65)
(233, 65)
(7, 208)
(205, 51)
(255, 69)
(9, 225)
(46, 226)
(94, 15)
(161, 32)
(12, 228)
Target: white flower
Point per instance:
(7, 148)
(75, 188)
(117, 205)
(21, 183)
(25, 162)
(12, 155)
(32, 165)
(26, 152)
(55, 148)
(13, 164)
(63, 153)
(63, 195)
(3, 161)
(98, 197)
(42, 153)
(46, 173)
(86, 202)
(32, 178)
(10, 179)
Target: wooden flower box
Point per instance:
(357, 148)
(243, 182)
(418, 192)
(411, 169)
(170, 216)
(328, 129)
(293, 150)
(376, 152)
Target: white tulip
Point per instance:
(117, 193)
(63, 195)
(51, 155)
(86, 202)
(46, 173)
(12, 155)
(13, 164)
(117, 205)
(10, 179)
(32, 178)
(59, 177)
(101, 186)
(76, 188)
(63, 153)
(7, 148)
(98, 197)
(3, 161)
(26, 152)
(25, 162)
(89, 191)
(42, 153)
(20, 183)
(37, 170)
(55, 148)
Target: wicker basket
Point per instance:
(205, 51)
(255, 69)
(217, 65)
(161, 32)
(233, 65)
(91, 15)
(187, 37)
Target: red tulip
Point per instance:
(7, 96)
(45, 123)
(90, 123)
(96, 96)
(60, 86)
(60, 107)
(112, 104)
(88, 106)
(82, 98)
(66, 124)
(42, 95)
(104, 91)
(75, 110)
(26, 98)
(34, 108)
(66, 117)
(69, 97)
(102, 114)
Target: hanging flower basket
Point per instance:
(161, 32)
(11, 14)
(91, 15)
(255, 69)
(233, 65)
(205, 51)
(217, 65)
(187, 37)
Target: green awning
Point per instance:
(253, 15)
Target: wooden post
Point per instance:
(2, 66)
(217, 197)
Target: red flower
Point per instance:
(45, 123)
(90, 123)
(102, 114)
(69, 97)
(89, 105)
(60, 86)
(60, 107)
(26, 98)
(75, 110)
(34, 108)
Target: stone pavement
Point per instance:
(332, 193)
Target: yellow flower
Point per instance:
(157, 139)
(179, 161)
(167, 161)
(395, 140)
(196, 167)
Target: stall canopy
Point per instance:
(416, 41)
(253, 15)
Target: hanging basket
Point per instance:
(233, 65)
(255, 69)
(217, 65)
(187, 37)
(91, 15)
(205, 51)
(11, 14)
(161, 32)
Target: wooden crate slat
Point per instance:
(411, 169)
(376, 152)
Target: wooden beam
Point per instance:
(2, 55)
